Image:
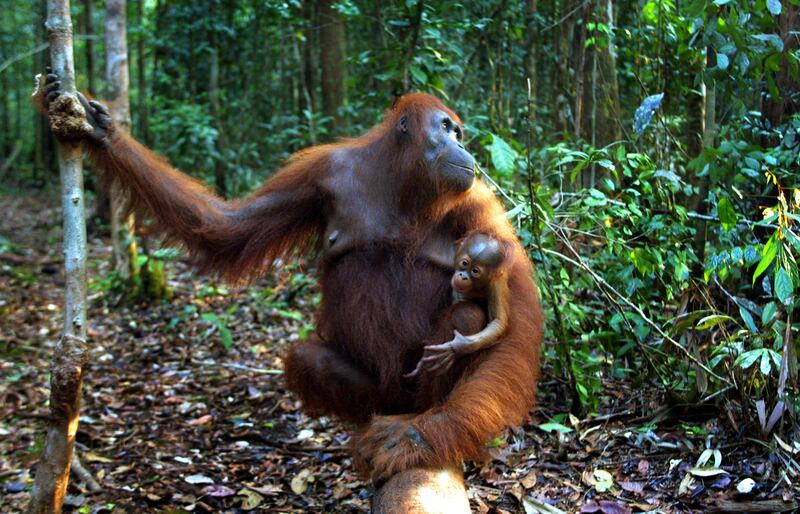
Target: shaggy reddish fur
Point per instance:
(382, 301)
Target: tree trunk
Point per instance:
(423, 491)
(695, 113)
(606, 97)
(331, 56)
(117, 79)
(531, 45)
(213, 95)
(71, 354)
(709, 135)
(141, 76)
(775, 109)
(580, 65)
(89, 24)
(309, 67)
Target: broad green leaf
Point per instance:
(748, 358)
(711, 321)
(503, 156)
(768, 313)
(766, 365)
(783, 286)
(418, 75)
(748, 319)
(767, 256)
(727, 214)
(722, 61)
(774, 7)
(552, 426)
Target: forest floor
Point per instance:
(184, 409)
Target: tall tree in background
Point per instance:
(331, 56)
(88, 25)
(141, 76)
(117, 79)
(71, 354)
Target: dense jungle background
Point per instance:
(646, 151)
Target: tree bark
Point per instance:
(118, 81)
(71, 354)
(213, 95)
(531, 40)
(423, 491)
(331, 56)
(141, 75)
(580, 65)
(89, 24)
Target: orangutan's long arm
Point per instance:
(232, 238)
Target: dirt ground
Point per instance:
(185, 410)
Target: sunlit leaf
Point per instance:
(783, 286)
(767, 256)
(503, 156)
(727, 214)
(774, 7)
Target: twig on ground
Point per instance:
(241, 367)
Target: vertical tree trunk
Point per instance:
(71, 354)
(309, 66)
(606, 98)
(5, 120)
(331, 56)
(117, 79)
(39, 124)
(213, 95)
(774, 109)
(141, 76)
(89, 24)
(531, 45)
(580, 65)
(709, 135)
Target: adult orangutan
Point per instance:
(382, 212)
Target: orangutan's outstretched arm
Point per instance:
(233, 238)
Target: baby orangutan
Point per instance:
(479, 276)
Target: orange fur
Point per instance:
(381, 297)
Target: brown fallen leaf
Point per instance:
(202, 420)
(632, 487)
(93, 457)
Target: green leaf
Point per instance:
(774, 7)
(555, 427)
(722, 61)
(766, 365)
(748, 358)
(418, 74)
(767, 256)
(503, 156)
(727, 214)
(783, 286)
(768, 313)
(711, 321)
(748, 319)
